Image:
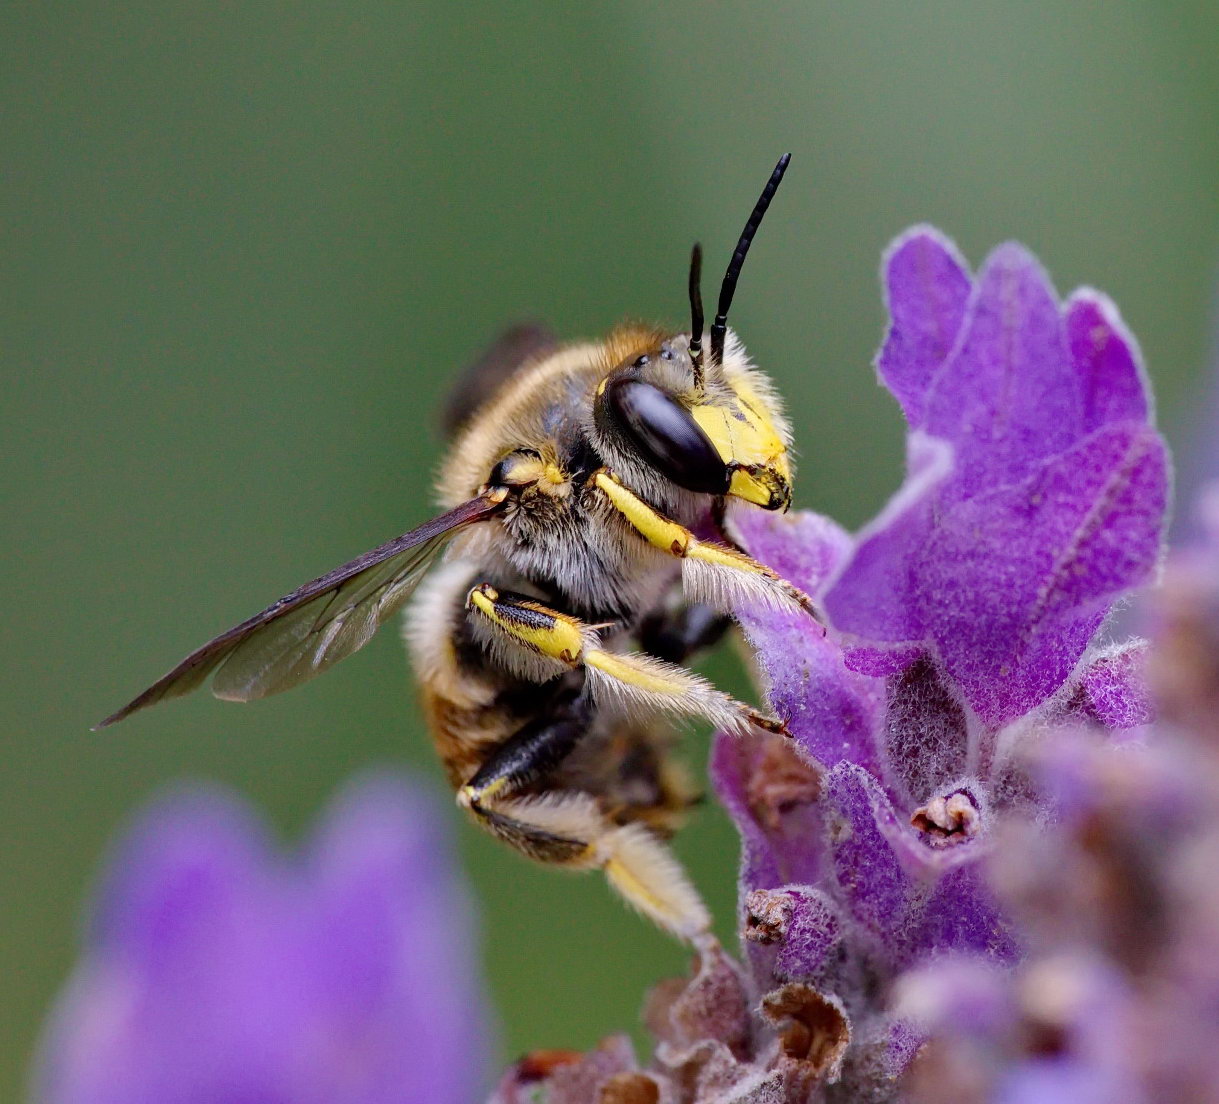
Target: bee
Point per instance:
(588, 490)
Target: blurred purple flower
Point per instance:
(218, 970)
(965, 628)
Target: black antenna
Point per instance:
(720, 326)
(696, 313)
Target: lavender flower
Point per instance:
(218, 971)
(1117, 1000)
(1036, 485)
(965, 628)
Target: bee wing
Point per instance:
(315, 626)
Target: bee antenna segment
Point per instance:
(720, 326)
(696, 313)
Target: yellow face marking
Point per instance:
(769, 441)
(743, 435)
(761, 486)
(657, 529)
(537, 628)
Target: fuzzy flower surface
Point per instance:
(218, 970)
(966, 624)
(1118, 998)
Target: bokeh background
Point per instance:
(246, 247)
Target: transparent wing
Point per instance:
(311, 629)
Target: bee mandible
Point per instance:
(588, 486)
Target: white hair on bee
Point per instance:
(638, 687)
(650, 879)
(726, 589)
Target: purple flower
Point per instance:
(1114, 888)
(1037, 484)
(965, 622)
(965, 628)
(218, 970)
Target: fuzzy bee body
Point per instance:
(604, 784)
(555, 535)
(588, 489)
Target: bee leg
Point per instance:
(538, 643)
(568, 828)
(528, 756)
(712, 573)
(676, 634)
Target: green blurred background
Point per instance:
(246, 246)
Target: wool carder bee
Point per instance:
(589, 490)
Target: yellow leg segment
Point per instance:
(637, 684)
(531, 624)
(566, 828)
(667, 535)
(647, 875)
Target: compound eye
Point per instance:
(664, 434)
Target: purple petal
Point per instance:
(1021, 574)
(799, 924)
(730, 769)
(193, 864)
(1065, 1079)
(1107, 360)
(927, 286)
(803, 547)
(926, 734)
(220, 971)
(877, 596)
(772, 796)
(961, 915)
(393, 941)
(1010, 687)
(881, 662)
(1007, 397)
(875, 887)
(959, 993)
(833, 713)
(910, 897)
(1114, 687)
(813, 933)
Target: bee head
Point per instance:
(645, 408)
(706, 432)
(704, 429)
